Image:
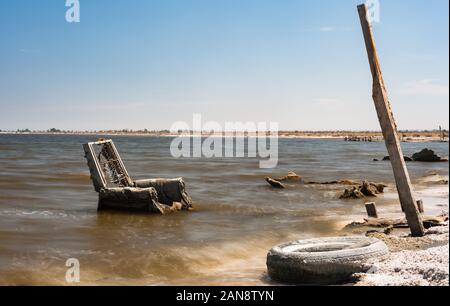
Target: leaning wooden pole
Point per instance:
(389, 129)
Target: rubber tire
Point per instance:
(323, 261)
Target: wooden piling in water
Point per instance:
(372, 210)
(420, 206)
(389, 129)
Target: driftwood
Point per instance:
(275, 183)
(291, 177)
(343, 182)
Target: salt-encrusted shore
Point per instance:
(427, 265)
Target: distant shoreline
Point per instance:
(408, 136)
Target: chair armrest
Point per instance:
(169, 190)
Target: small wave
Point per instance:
(42, 214)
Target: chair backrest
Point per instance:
(105, 165)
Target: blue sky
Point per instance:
(147, 63)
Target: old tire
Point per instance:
(322, 261)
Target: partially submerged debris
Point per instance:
(118, 191)
(427, 155)
(291, 177)
(275, 183)
(343, 182)
(352, 193)
(366, 189)
(406, 158)
(371, 209)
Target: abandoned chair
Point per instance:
(118, 191)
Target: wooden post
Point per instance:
(371, 210)
(389, 128)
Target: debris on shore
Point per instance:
(366, 189)
(412, 261)
(383, 223)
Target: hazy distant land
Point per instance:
(407, 136)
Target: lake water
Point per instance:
(48, 210)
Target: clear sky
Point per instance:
(147, 63)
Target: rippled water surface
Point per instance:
(48, 209)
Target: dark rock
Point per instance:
(427, 155)
(406, 158)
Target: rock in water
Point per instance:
(427, 155)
